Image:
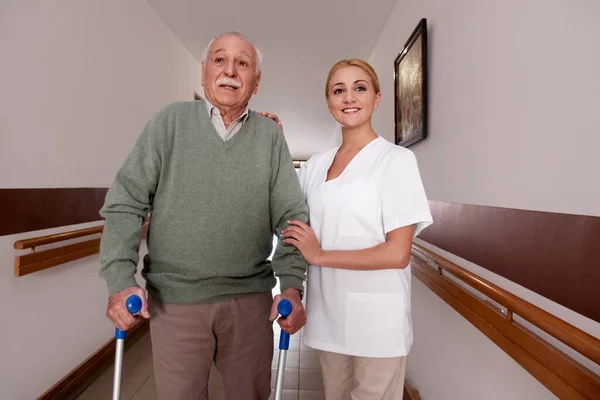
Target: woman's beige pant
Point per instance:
(362, 378)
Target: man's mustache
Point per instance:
(224, 81)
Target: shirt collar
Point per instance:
(212, 110)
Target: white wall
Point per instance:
(79, 81)
(513, 123)
(451, 359)
(514, 92)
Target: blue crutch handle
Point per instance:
(134, 305)
(285, 308)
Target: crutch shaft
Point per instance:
(280, 374)
(285, 308)
(133, 304)
(118, 369)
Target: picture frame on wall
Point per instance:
(410, 88)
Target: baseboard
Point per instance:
(77, 379)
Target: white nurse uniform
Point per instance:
(362, 313)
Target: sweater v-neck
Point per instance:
(206, 124)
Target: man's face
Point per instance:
(229, 74)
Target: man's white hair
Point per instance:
(257, 52)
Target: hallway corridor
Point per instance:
(302, 375)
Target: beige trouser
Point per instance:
(236, 334)
(362, 378)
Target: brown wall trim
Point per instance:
(26, 210)
(77, 380)
(554, 255)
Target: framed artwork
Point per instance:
(410, 88)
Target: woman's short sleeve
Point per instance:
(403, 198)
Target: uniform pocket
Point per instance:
(375, 320)
(359, 219)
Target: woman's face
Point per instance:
(351, 97)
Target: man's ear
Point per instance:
(257, 83)
(202, 75)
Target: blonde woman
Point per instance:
(366, 203)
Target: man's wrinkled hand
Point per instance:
(117, 310)
(297, 319)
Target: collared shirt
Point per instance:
(215, 117)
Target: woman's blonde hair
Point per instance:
(353, 62)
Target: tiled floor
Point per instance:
(302, 375)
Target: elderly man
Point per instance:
(219, 181)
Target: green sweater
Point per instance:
(215, 206)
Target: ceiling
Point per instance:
(300, 41)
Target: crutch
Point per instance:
(285, 308)
(134, 305)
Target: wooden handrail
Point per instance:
(57, 237)
(35, 261)
(584, 343)
(561, 374)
